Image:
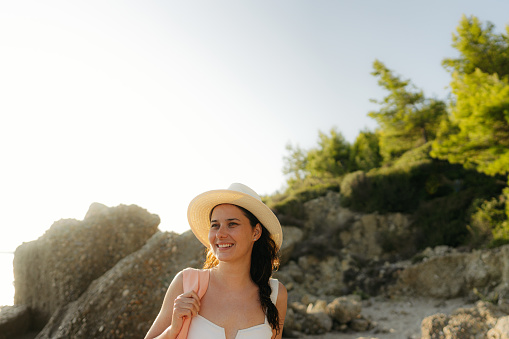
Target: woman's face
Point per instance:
(231, 236)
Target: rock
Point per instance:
(345, 309)
(368, 236)
(291, 237)
(465, 326)
(317, 307)
(290, 328)
(456, 274)
(58, 267)
(325, 213)
(432, 327)
(317, 323)
(485, 320)
(360, 325)
(501, 329)
(124, 302)
(14, 321)
(309, 320)
(320, 277)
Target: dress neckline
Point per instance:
(239, 331)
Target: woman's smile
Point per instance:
(224, 246)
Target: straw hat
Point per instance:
(198, 212)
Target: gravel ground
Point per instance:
(397, 319)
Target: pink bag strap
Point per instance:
(198, 281)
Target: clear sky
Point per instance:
(154, 102)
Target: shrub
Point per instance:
(489, 224)
(442, 221)
(290, 203)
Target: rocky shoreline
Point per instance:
(105, 277)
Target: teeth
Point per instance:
(224, 245)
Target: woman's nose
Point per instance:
(221, 232)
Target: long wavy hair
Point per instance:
(264, 259)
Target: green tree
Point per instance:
(295, 163)
(477, 134)
(480, 48)
(365, 151)
(330, 158)
(477, 131)
(407, 119)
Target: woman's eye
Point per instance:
(232, 224)
(214, 225)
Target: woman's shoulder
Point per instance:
(191, 271)
(178, 280)
(282, 290)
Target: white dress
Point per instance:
(202, 328)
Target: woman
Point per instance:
(240, 300)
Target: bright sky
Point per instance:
(154, 102)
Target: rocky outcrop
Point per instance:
(320, 316)
(485, 320)
(332, 228)
(102, 278)
(292, 237)
(14, 321)
(124, 302)
(58, 267)
(453, 274)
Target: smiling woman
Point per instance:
(242, 236)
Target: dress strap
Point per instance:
(195, 280)
(274, 285)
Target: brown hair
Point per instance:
(264, 259)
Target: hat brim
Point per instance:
(198, 213)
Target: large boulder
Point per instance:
(312, 319)
(330, 228)
(457, 274)
(14, 321)
(292, 236)
(309, 274)
(484, 320)
(345, 309)
(501, 329)
(124, 302)
(58, 267)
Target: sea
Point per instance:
(6, 279)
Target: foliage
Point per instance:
(329, 159)
(478, 134)
(489, 223)
(294, 163)
(397, 188)
(407, 119)
(365, 151)
(442, 221)
(480, 48)
(332, 157)
(436, 193)
(290, 202)
(445, 166)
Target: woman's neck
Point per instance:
(233, 275)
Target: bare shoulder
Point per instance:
(176, 285)
(282, 293)
(281, 305)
